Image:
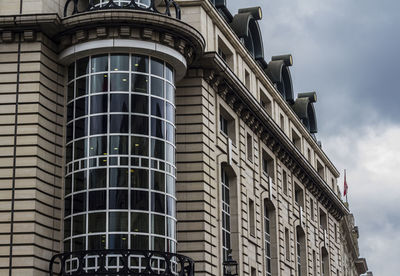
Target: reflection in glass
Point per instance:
(80, 128)
(119, 103)
(140, 125)
(118, 199)
(139, 178)
(119, 82)
(140, 146)
(157, 87)
(170, 113)
(157, 128)
(158, 181)
(98, 146)
(119, 177)
(80, 181)
(99, 83)
(139, 200)
(97, 200)
(157, 149)
(98, 104)
(119, 62)
(170, 133)
(98, 124)
(119, 144)
(170, 206)
(140, 104)
(80, 147)
(97, 178)
(158, 224)
(140, 64)
(157, 107)
(170, 93)
(119, 123)
(118, 241)
(158, 244)
(158, 203)
(140, 242)
(118, 222)
(97, 222)
(82, 86)
(169, 73)
(99, 63)
(170, 153)
(157, 67)
(170, 183)
(79, 224)
(81, 107)
(82, 66)
(97, 242)
(140, 83)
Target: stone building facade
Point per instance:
(160, 126)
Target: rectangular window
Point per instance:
(323, 220)
(225, 53)
(284, 182)
(247, 82)
(265, 102)
(287, 244)
(320, 170)
(223, 124)
(249, 147)
(336, 235)
(282, 121)
(268, 164)
(296, 139)
(253, 272)
(252, 218)
(312, 208)
(227, 124)
(314, 263)
(298, 195)
(309, 155)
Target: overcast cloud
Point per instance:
(347, 51)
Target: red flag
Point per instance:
(345, 184)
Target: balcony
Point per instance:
(164, 7)
(121, 262)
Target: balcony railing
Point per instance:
(121, 262)
(166, 7)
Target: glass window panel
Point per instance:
(140, 83)
(157, 128)
(97, 222)
(98, 146)
(170, 184)
(80, 181)
(97, 200)
(170, 113)
(82, 86)
(79, 244)
(139, 200)
(98, 124)
(157, 87)
(118, 199)
(68, 185)
(119, 82)
(119, 62)
(82, 66)
(139, 242)
(99, 63)
(69, 153)
(79, 225)
(139, 178)
(99, 104)
(67, 228)
(119, 103)
(67, 246)
(170, 153)
(113, 161)
(119, 144)
(97, 178)
(70, 131)
(79, 203)
(118, 222)
(158, 224)
(158, 181)
(97, 242)
(169, 73)
(124, 161)
(170, 93)
(70, 111)
(81, 127)
(140, 146)
(157, 67)
(70, 92)
(99, 83)
(140, 104)
(157, 149)
(171, 206)
(140, 125)
(158, 244)
(140, 64)
(170, 133)
(119, 123)
(119, 177)
(118, 242)
(71, 72)
(67, 205)
(158, 203)
(103, 161)
(80, 147)
(157, 107)
(139, 222)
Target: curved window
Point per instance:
(120, 154)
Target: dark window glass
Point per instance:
(80, 149)
(81, 128)
(139, 200)
(158, 181)
(118, 241)
(98, 124)
(157, 87)
(70, 92)
(140, 104)
(67, 246)
(79, 203)
(140, 146)
(169, 73)
(71, 72)
(170, 206)
(170, 93)
(82, 66)
(139, 222)
(70, 131)
(98, 146)
(97, 222)
(118, 222)
(157, 107)
(170, 133)
(97, 200)
(119, 177)
(70, 111)
(157, 67)
(119, 144)
(79, 225)
(80, 181)
(157, 128)
(158, 224)
(140, 178)
(139, 242)
(97, 242)
(140, 125)
(170, 113)
(119, 103)
(119, 82)
(99, 63)
(97, 178)
(170, 153)
(140, 83)
(99, 104)
(67, 228)
(157, 149)
(69, 153)
(170, 184)
(78, 244)
(68, 185)
(158, 244)
(99, 83)
(82, 86)
(140, 64)
(157, 203)
(119, 62)
(119, 123)
(67, 206)
(118, 199)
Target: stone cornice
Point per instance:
(233, 91)
(349, 235)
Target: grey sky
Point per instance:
(347, 51)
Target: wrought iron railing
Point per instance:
(166, 7)
(121, 262)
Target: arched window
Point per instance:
(325, 262)
(270, 239)
(267, 241)
(301, 252)
(226, 213)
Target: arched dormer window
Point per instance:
(301, 253)
(304, 108)
(279, 73)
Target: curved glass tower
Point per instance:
(120, 165)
